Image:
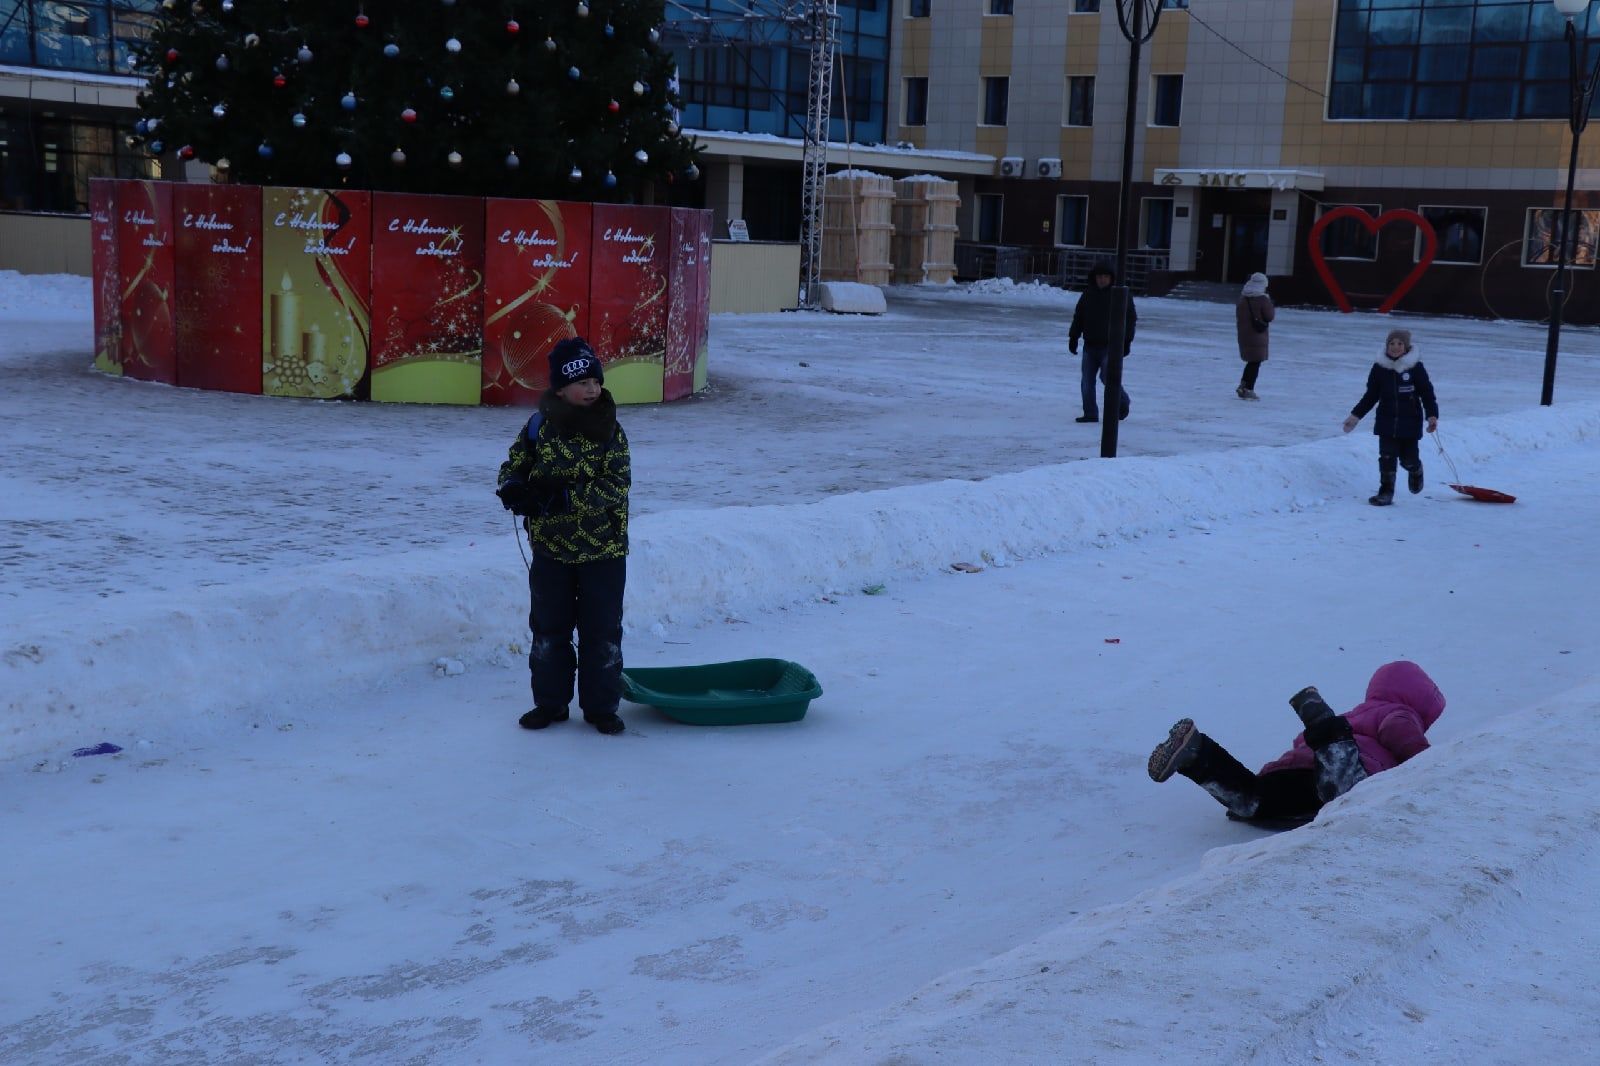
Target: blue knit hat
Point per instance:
(573, 360)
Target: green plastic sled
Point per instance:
(746, 692)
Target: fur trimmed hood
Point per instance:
(1400, 365)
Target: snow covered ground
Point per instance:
(319, 847)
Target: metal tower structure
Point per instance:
(822, 31)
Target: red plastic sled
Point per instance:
(1471, 491)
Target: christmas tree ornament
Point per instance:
(655, 35)
(610, 180)
(613, 107)
(155, 122)
(574, 175)
(188, 76)
(512, 162)
(142, 127)
(583, 9)
(251, 40)
(342, 160)
(446, 93)
(691, 172)
(169, 4)
(218, 110)
(452, 45)
(299, 120)
(454, 159)
(133, 61)
(223, 164)
(398, 157)
(574, 73)
(264, 150)
(222, 62)
(279, 80)
(186, 152)
(362, 20)
(348, 101)
(227, 7)
(672, 127)
(611, 30)
(172, 55)
(197, 7)
(304, 55)
(549, 44)
(391, 49)
(513, 26)
(512, 88)
(408, 115)
(156, 147)
(638, 88)
(641, 157)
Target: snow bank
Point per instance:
(44, 297)
(851, 298)
(1298, 932)
(310, 631)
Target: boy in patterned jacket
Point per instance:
(568, 476)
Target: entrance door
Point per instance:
(1247, 246)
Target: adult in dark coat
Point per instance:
(1399, 386)
(1254, 314)
(1091, 323)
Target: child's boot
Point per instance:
(1310, 706)
(540, 718)
(1414, 477)
(1385, 494)
(1177, 752)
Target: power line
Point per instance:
(1260, 63)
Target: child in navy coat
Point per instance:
(1398, 384)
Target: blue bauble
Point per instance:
(611, 180)
(574, 73)
(156, 147)
(447, 93)
(348, 101)
(264, 150)
(391, 49)
(299, 120)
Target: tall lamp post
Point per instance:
(1581, 92)
(1137, 20)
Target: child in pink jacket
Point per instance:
(1335, 752)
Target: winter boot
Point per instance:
(1339, 766)
(1385, 494)
(1177, 752)
(1246, 394)
(1224, 778)
(1414, 478)
(609, 724)
(1087, 418)
(539, 719)
(1310, 706)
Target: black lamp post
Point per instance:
(1137, 20)
(1581, 90)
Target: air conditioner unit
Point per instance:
(1048, 168)
(1011, 166)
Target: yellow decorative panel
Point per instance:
(1077, 152)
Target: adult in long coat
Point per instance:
(1254, 314)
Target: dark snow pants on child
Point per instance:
(1281, 793)
(588, 597)
(1393, 450)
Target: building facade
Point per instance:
(1255, 117)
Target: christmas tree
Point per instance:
(525, 98)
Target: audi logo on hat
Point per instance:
(574, 368)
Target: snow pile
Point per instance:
(1294, 930)
(321, 627)
(851, 298)
(1030, 291)
(44, 297)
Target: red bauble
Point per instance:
(186, 152)
(279, 80)
(408, 115)
(613, 107)
(512, 26)
(362, 20)
(172, 55)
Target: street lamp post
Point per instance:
(1581, 91)
(1137, 20)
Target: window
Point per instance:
(991, 206)
(1166, 102)
(918, 9)
(46, 163)
(1156, 222)
(1175, 5)
(999, 7)
(916, 95)
(1085, 6)
(1542, 236)
(1348, 239)
(1072, 221)
(1080, 101)
(996, 92)
(1459, 231)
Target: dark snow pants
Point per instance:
(588, 597)
(1392, 450)
(1281, 793)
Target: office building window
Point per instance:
(996, 95)
(89, 35)
(999, 7)
(1464, 59)
(1072, 221)
(1459, 231)
(1542, 238)
(991, 207)
(1156, 221)
(1080, 101)
(1179, 5)
(46, 163)
(916, 93)
(918, 9)
(1166, 99)
(1346, 238)
(1084, 7)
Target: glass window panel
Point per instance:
(916, 102)
(1459, 231)
(1491, 99)
(1387, 100)
(1393, 27)
(1352, 28)
(990, 207)
(1447, 25)
(1345, 102)
(71, 36)
(1547, 61)
(1442, 63)
(1438, 101)
(1501, 23)
(1158, 223)
(1545, 99)
(1348, 64)
(1389, 64)
(1496, 61)
(1347, 239)
(1542, 239)
(1072, 220)
(1547, 24)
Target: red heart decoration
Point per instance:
(1430, 245)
